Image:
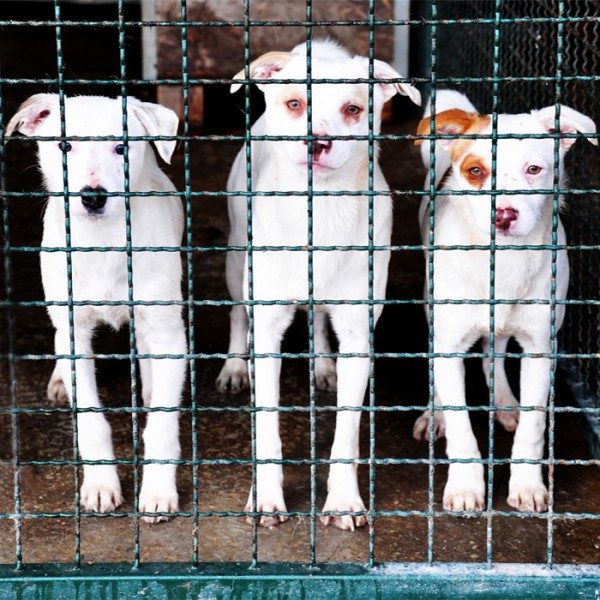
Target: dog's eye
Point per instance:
(294, 104)
(534, 170)
(120, 149)
(476, 172)
(65, 146)
(353, 110)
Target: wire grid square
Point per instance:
(499, 35)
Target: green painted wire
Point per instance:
(10, 333)
(190, 283)
(492, 281)
(135, 429)
(431, 292)
(553, 343)
(69, 260)
(310, 274)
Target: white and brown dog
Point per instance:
(97, 218)
(338, 109)
(520, 219)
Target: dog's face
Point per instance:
(95, 168)
(525, 164)
(338, 109)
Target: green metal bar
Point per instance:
(553, 344)
(310, 272)
(371, 274)
(431, 289)
(492, 282)
(69, 260)
(10, 345)
(238, 580)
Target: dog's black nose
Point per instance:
(94, 198)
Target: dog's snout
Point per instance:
(93, 198)
(504, 217)
(320, 146)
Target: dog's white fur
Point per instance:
(102, 276)
(519, 275)
(283, 275)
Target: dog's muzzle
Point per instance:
(94, 199)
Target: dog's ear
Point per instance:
(448, 122)
(156, 120)
(263, 67)
(31, 113)
(383, 71)
(571, 121)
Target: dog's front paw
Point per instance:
(233, 377)
(336, 503)
(325, 375)
(421, 426)
(527, 497)
(101, 491)
(158, 502)
(465, 488)
(267, 505)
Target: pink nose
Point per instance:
(320, 146)
(504, 217)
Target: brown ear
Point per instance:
(263, 67)
(31, 113)
(448, 122)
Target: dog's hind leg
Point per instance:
(503, 396)
(233, 377)
(163, 333)
(100, 490)
(56, 392)
(421, 428)
(145, 370)
(325, 375)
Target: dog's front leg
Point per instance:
(100, 490)
(270, 323)
(465, 489)
(527, 491)
(351, 324)
(163, 333)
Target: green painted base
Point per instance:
(352, 582)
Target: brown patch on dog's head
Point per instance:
(475, 170)
(454, 122)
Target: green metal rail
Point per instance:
(493, 46)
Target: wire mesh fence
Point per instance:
(506, 56)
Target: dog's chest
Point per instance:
(336, 222)
(467, 275)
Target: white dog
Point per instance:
(337, 110)
(96, 168)
(520, 219)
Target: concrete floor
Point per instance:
(399, 382)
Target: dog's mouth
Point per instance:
(317, 166)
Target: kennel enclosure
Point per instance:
(506, 56)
